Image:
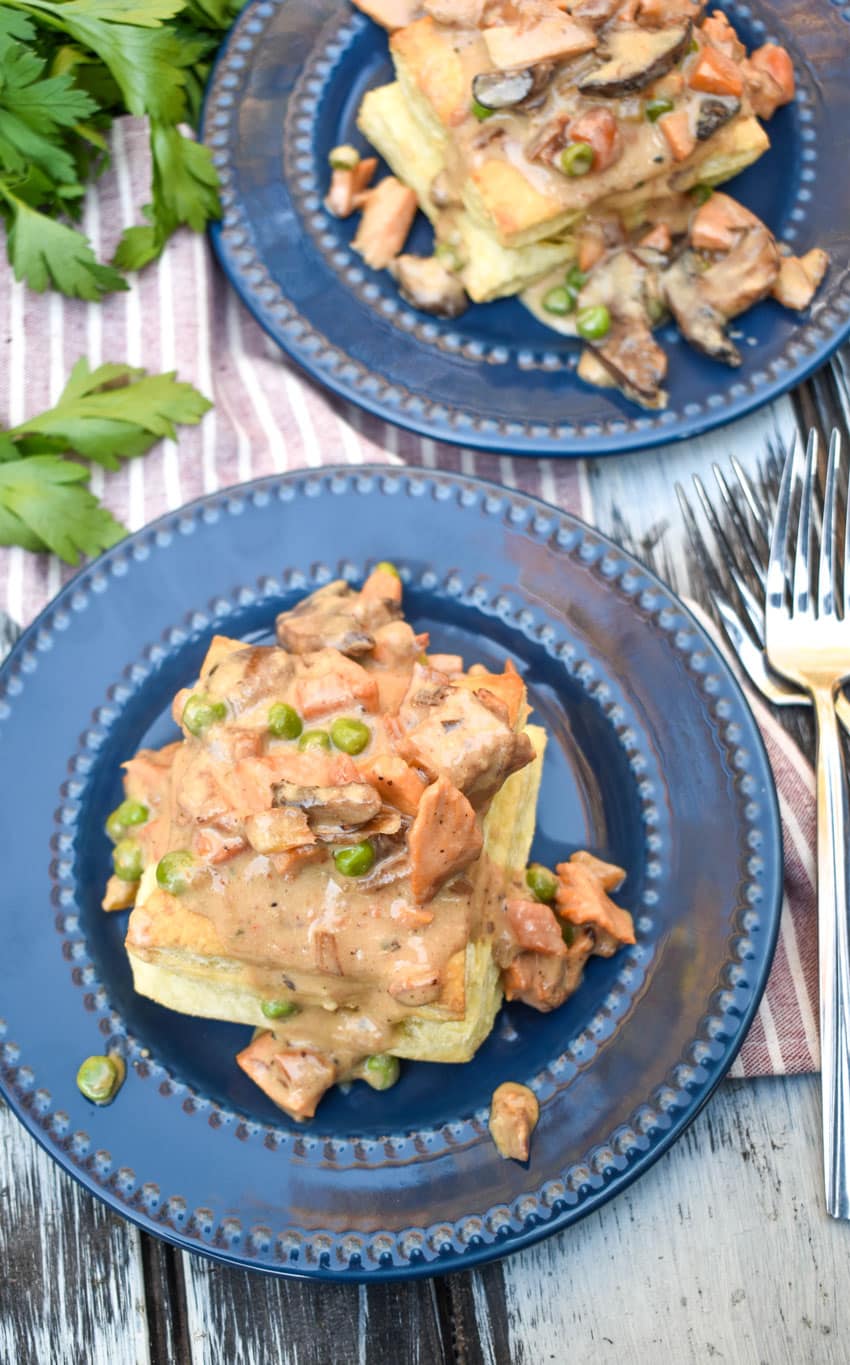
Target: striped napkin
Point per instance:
(180, 315)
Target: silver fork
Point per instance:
(808, 643)
(743, 555)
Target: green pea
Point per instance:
(200, 713)
(315, 739)
(568, 933)
(448, 256)
(541, 882)
(127, 860)
(174, 871)
(481, 111)
(702, 193)
(284, 721)
(384, 566)
(100, 1078)
(344, 158)
(656, 310)
(381, 1071)
(655, 108)
(593, 323)
(350, 735)
(693, 45)
(577, 158)
(560, 300)
(576, 279)
(356, 860)
(126, 815)
(278, 1009)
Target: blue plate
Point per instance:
(654, 761)
(286, 89)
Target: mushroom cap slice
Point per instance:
(635, 57)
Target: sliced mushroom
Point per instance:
(713, 113)
(626, 283)
(507, 89)
(426, 284)
(353, 803)
(636, 363)
(502, 89)
(635, 58)
(700, 323)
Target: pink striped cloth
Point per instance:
(268, 417)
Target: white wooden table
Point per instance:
(722, 1251)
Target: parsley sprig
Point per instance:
(67, 68)
(106, 415)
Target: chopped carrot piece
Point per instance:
(395, 782)
(383, 584)
(658, 238)
(387, 219)
(676, 127)
(591, 248)
(599, 129)
(716, 74)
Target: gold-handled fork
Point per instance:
(807, 641)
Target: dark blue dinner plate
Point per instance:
(654, 761)
(286, 89)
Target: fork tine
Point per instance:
(753, 557)
(826, 567)
(722, 540)
(803, 550)
(760, 514)
(754, 611)
(704, 559)
(776, 570)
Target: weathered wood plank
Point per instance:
(72, 1287)
(723, 1250)
(239, 1318)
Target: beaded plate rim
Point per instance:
(630, 1148)
(386, 395)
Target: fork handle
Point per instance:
(833, 957)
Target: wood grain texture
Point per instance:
(239, 1318)
(723, 1251)
(71, 1289)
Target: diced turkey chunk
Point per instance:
(335, 617)
(391, 14)
(554, 36)
(294, 1080)
(444, 839)
(455, 13)
(535, 927)
(451, 732)
(386, 220)
(514, 1112)
(425, 283)
(769, 78)
(275, 831)
(545, 980)
(799, 277)
(582, 899)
